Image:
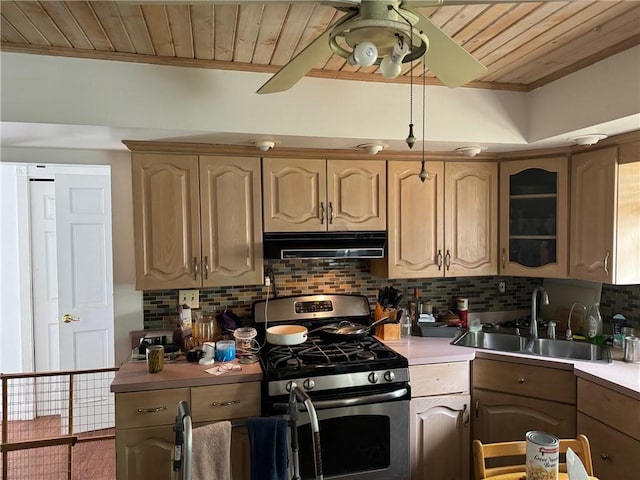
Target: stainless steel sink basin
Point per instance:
(577, 350)
(492, 341)
(543, 347)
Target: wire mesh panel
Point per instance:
(58, 425)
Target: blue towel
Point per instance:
(268, 447)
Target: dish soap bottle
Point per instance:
(594, 324)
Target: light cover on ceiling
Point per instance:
(371, 148)
(264, 145)
(590, 139)
(471, 151)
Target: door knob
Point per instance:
(67, 318)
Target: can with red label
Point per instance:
(542, 456)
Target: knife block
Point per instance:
(388, 331)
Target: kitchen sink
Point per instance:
(492, 341)
(544, 347)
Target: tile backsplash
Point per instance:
(292, 277)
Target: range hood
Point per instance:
(325, 245)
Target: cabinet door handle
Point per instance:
(447, 259)
(206, 267)
(466, 416)
(439, 259)
(504, 258)
(606, 263)
(225, 404)
(331, 212)
(477, 409)
(152, 410)
(604, 456)
(321, 212)
(520, 380)
(195, 268)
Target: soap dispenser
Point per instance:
(594, 324)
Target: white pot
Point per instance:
(286, 334)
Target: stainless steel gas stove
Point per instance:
(360, 387)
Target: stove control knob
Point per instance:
(389, 376)
(289, 386)
(308, 384)
(373, 377)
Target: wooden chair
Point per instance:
(482, 452)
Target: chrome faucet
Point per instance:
(533, 325)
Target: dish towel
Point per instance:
(211, 452)
(268, 447)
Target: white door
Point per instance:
(85, 290)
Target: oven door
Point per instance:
(366, 441)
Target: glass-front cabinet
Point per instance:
(533, 217)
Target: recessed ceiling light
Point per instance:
(470, 151)
(590, 139)
(264, 145)
(371, 148)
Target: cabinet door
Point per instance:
(294, 195)
(416, 220)
(614, 455)
(144, 453)
(501, 417)
(240, 454)
(593, 194)
(356, 195)
(231, 205)
(533, 217)
(471, 219)
(166, 220)
(440, 437)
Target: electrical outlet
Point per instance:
(502, 287)
(189, 297)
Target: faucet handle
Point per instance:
(551, 330)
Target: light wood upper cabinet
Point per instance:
(310, 195)
(471, 219)
(534, 217)
(166, 214)
(231, 220)
(446, 226)
(186, 234)
(605, 213)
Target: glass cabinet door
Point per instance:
(534, 217)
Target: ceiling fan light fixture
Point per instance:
(591, 139)
(264, 145)
(371, 148)
(364, 54)
(470, 151)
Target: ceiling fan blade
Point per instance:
(451, 63)
(314, 54)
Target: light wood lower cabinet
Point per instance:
(145, 420)
(439, 430)
(510, 399)
(611, 422)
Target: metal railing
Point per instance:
(58, 425)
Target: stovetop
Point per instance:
(318, 357)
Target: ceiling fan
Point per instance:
(385, 33)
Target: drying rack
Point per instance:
(184, 438)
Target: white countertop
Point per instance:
(619, 376)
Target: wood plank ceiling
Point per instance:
(523, 45)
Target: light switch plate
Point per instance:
(189, 297)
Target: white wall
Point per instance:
(127, 301)
(599, 93)
(58, 90)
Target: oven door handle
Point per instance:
(349, 402)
